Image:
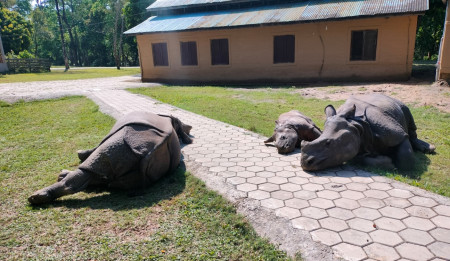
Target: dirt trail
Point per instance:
(415, 92)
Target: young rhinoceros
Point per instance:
(378, 129)
(290, 129)
(141, 148)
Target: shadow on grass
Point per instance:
(116, 200)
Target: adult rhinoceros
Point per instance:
(290, 129)
(140, 148)
(378, 128)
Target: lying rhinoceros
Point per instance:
(379, 129)
(290, 129)
(141, 148)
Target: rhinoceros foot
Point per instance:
(40, 197)
(423, 146)
(63, 174)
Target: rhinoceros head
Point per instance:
(339, 142)
(285, 138)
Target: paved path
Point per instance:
(339, 213)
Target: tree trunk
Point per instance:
(66, 61)
(72, 46)
(77, 41)
(120, 37)
(117, 42)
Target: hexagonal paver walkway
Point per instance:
(339, 213)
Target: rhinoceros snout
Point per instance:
(311, 163)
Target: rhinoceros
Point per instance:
(378, 129)
(290, 129)
(140, 149)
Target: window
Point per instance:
(364, 45)
(219, 52)
(284, 49)
(188, 53)
(160, 57)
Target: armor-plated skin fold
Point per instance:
(140, 149)
(378, 129)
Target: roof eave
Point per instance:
(280, 23)
(158, 9)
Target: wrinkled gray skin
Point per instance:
(377, 129)
(140, 149)
(290, 129)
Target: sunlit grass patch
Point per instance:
(175, 219)
(74, 74)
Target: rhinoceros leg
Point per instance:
(73, 182)
(405, 155)
(422, 146)
(84, 154)
(417, 144)
(383, 162)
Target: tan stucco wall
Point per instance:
(444, 66)
(322, 52)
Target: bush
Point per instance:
(25, 55)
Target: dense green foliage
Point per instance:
(15, 31)
(175, 219)
(93, 30)
(257, 109)
(429, 31)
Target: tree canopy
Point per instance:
(429, 31)
(16, 31)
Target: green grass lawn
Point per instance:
(257, 109)
(75, 74)
(176, 219)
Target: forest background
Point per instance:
(90, 32)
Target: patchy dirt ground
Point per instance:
(415, 91)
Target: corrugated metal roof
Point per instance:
(163, 4)
(290, 13)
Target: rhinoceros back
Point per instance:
(140, 148)
(386, 117)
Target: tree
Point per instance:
(16, 31)
(429, 31)
(61, 30)
(117, 33)
(134, 14)
(46, 43)
(94, 41)
(23, 7)
(73, 44)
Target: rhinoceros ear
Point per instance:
(349, 112)
(270, 139)
(330, 111)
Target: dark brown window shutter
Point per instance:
(188, 53)
(219, 52)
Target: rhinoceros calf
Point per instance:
(140, 148)
(378, 128)
(290, 129)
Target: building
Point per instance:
(443, 65)
(266, 41)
